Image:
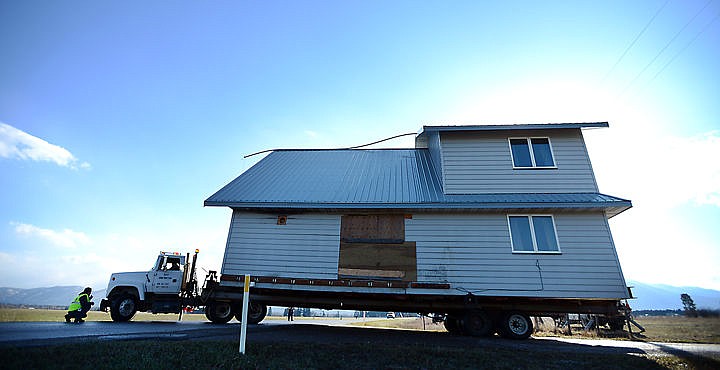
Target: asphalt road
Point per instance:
(321, 331)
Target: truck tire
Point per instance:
(452, 325)
(123, 308)
(516, 325)
(256, 313)
(476, 323)
(218, 312)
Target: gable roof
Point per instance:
(400, 179)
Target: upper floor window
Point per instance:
(533, 234)
(531, 152)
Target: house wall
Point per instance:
(480, 162)
(307, 246)
(472, 252)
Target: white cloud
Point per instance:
(64, 238)
(18, 144)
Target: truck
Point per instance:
(171, 286)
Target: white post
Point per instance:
(243, 323)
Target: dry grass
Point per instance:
(680, 329)
(415, 323)
(28, 315)
(677, 329)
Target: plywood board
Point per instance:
(373, 228)
(387, 260)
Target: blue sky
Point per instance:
(118, 120)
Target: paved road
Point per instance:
(321, 331)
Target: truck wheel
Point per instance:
(476, 323)
(452, 325)
(218, 312)
(516, 325)
(257, 313)
(123, 308)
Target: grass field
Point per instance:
(28, 315)
(224, 355)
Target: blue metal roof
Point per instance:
(374, 179)
(537, 126)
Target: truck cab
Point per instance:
(158, 290)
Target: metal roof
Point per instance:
(375, 179)
(537, 126)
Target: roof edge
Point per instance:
(506, 127)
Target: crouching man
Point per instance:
(80, 306)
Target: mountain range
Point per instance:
(649, 296)
(51, 296)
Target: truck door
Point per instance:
(167, 275)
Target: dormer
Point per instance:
(489, 159)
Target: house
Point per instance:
(496, 211)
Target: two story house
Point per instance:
(479, 223)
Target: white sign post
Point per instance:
(243, 323)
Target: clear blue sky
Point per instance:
(118, 120)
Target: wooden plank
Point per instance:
(379, 260)
(372, 228)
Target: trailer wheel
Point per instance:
(452, 325)
(123, 308)
(476, 323)
(218, 312)
(256, 312)
(516, 325)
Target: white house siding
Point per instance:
(473, 254)
(433, 146)
(307, 246)
(480, 162)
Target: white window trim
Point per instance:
(532, 234)
(532, 153)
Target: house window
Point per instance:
(532, 152)
(533, 234)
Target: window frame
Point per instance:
(534, 165)
(532, 233)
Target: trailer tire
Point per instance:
(123, 308)
(452, 325)
(256, 313)
(218, 312)
(476, 323)
(516, 325)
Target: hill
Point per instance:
(662, 297)
(51, 296)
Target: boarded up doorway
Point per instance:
(374, 247)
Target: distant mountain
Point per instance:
(52, 296)
(662, 297)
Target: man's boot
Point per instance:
(67, 318)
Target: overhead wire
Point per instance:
(348, 148)
(635, 40)
(665, 47)
(684, 47)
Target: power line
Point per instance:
(666, 46)
(685, 47)
(635, 40)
